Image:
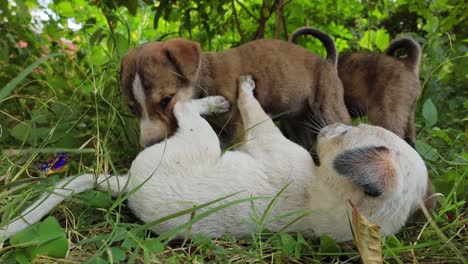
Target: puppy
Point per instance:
(290, 79)
(380, 85)
(369, 166)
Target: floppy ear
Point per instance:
(371, 168)
(185, 55)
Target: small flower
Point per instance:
(57, 164)
(22, 44)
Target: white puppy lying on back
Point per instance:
(369, 166)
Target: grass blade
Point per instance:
(6, 90)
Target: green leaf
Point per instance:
(43, 238)
(118, 255)
(41, 115)
(328, 245)
(96, 199)
(21, 258)
(429, 112)
(65, 8)
(301, 243)
(6, 90)
(288, 244)
(367, 40)
(153, 245)
(382, 39)
(132, 6)
(441, 134)
(21, 131)
(426, 150)
(96, 260)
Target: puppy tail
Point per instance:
(62, 190)
(413, 50)
(332, 54)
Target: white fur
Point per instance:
(189, 169)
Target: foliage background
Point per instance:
(72, 102)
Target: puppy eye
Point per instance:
(165, 101)
(132, 109)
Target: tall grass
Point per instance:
(84, 116)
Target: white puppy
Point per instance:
(369, 166)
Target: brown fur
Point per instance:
(380, 85)
(288, 78)
(383, 87)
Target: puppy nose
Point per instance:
(333, 129)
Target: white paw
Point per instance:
(211, 104)
(218, 104)
(247, 83)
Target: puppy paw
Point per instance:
(218, 104)
(211, 104)
(246, 83)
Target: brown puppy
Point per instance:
(155, 75)
(380, 85)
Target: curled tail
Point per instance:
(332, 54)
(63, 189)
(413, 50)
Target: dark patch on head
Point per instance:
(173, 61)
(364, 167)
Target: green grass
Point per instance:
(100, 230)
(76, 108)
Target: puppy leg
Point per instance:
(410, 133)
(256, 122)
(194, 132)
(387, 118)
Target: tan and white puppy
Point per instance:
(369, 166)
(380, 85)
(289, 79)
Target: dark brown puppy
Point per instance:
(289, 79)
(380, 85)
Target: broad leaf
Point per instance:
(6, 90)
(44, 238)
(426, 150)
(429, 112)
(367, 238)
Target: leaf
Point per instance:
(301, 243)
(328, 245)
(65, 9)
(382, 39)
(43, 238)
(132, 6)
(426, 150)
(6, 90)
(153, 245)
(21, 131)
(96, 260)
(367, 40)
(95, 198)
(288, 244)
(367, 238)
(118, 255)
(429, 112)
(442, 135)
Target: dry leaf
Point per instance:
(367, 238)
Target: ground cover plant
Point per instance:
(59, 93)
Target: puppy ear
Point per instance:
(185, 55)
(370, 168)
